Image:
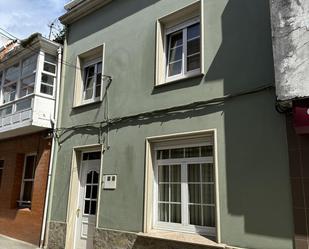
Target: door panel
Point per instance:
(87, 204)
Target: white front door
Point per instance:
(88, 196)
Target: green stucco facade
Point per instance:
(253, 175)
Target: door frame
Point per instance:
(74, 190)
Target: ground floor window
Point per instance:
(27, 181)
(184, 191)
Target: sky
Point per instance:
(24, 17)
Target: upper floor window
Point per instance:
(179, 53)
(28, 73)
(92, 81)
(183, 50)
(10, 83)
(89, 77)
(48, 77)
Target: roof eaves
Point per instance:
(83, 8)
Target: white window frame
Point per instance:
(182, 28)
(190, 137)
(184, 226)
(22, 203)
(11, 83)
(22, 77)
(54, 75)
(95, 63)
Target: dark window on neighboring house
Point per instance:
(1, 171)
(27, 181)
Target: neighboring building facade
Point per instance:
(291, 52)
(167, 135)
(28, 80)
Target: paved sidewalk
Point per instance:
(8, 243)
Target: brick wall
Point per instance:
(23, 224)
(299, 176)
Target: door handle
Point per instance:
(77, 212)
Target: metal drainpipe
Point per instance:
(43, 231)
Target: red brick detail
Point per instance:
(23, 224)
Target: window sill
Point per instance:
(86, 104)
(175, 81)
(195, 239)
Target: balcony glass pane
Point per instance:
(9, 93)
(12, 74)
(48, 79)
(29, 65)
(23, 105)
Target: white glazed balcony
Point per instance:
(29, 114)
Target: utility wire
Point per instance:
(192, 106)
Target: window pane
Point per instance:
(175, 39)
(163, 154)
(163, 212)
(163, 192)
(175, 54)
(207, 150)
(50, 58)
(177, 153)
(23, 105)
(47, 89)
(48, 79)
(89, 177)
(195, 215)
(175, 193)
(94, 192)
(175, 173)
(209, 216)
(49, 68)
(30, 167)
(12, 74)
(207, 172)
(27, 194)
(93, 207)
(194, 193)
(9, 93)
(193, 46)
(95, 177)
(163, 173)
(87, 207)
(88, 191)
(89, 71)
(194, 173)
(174, 68)
(193, 62)
(98, 85)
(29, 65)
(7, 111)
(175, 213)
(193, 31)
(99, 67)
(208, 194)
(193, 152)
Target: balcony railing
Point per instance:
(17, 111)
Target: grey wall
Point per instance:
(255, 205)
